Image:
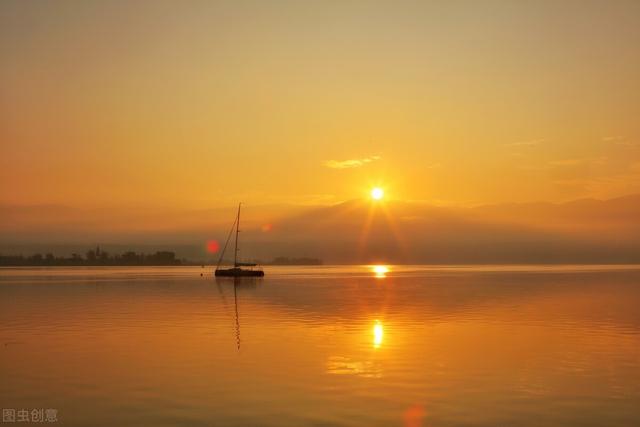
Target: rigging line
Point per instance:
(235, 250)
(226, 243)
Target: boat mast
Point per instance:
(235, 252)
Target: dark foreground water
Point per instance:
(465, 346)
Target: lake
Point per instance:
(323, 346)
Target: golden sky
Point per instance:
(201, 104)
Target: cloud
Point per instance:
(350, 163)
(579, 161)
(625, 181)
(567, 162)
(620, 140)
(530, 143)
(314, 199)
(613, 138)
(596, 177)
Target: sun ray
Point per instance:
(364, 233)
(395, 230)
(377, 195)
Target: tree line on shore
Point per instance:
(100, 257)
(92, 257)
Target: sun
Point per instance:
(377, 193)
(380, 270)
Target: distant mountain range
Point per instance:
(583, 231)
(358, 231)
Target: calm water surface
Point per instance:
(330, 346)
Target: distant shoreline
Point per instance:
(98, 258)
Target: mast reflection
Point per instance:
(235, 299)
(238, 283)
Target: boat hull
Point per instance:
(238, 272)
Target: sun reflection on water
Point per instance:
(380, 270)
(378, 334)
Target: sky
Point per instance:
(201, 104)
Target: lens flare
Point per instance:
(213, 246)
(414, 415)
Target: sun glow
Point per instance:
(377, 193)
(380, 270)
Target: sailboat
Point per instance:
(237, 270)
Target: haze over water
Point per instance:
(324, 346)
(493, 133)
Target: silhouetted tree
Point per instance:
(130, 258)
(92, 258)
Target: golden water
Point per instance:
(324, 346)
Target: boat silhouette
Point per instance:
(237, 270)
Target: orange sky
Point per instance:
(202, 104)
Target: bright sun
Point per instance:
(377, 193)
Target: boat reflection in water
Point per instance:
(237, 283)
